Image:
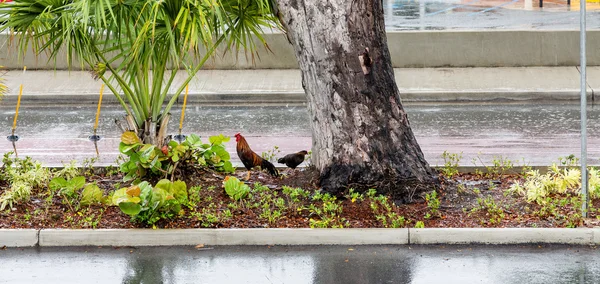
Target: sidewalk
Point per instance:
(285, 86)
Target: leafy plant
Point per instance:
(68, 171)
(295, 194)
(420, 224)
(213, 155)
(91, 194)
(354, 196)
(433, 203)
(236, 189)
(270, 155)
(451, 161)
(143, 158)
(148, 204)
(328, 214)
(500, 165)
(383, 210)
(23, 175)
(538, 186)
(67, 189)
(493, 212)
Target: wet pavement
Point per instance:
(487, 14)
(535, 134)
(303, 264)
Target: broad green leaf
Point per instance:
(235, 188)
(193, 140)
(146, 191)
(221, 152)
(173, 144)
(179, 189)
(218, 139)
(57, 183)
(129, 138)
(77, 182)
(119, 196)
(146, 152)
(228, 167)
(91, 194)
(164, 184)
(215, 159)
(130, 208)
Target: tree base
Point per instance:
(338, 179)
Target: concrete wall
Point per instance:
(408, 49)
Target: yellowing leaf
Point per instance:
(130, 138)
(134, 191)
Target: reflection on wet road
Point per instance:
(303, 264)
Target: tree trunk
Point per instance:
(361, 134)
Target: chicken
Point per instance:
(293, 160)
(251, 159)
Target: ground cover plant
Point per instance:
(198, 195)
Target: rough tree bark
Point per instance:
(361, 134)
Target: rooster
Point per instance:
(293, 160)
(251, 159)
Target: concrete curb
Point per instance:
(584, 236)
(18, 237)
(182, 237)
(301, 236)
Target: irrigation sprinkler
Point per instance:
(12, 137)
(94, 137)
(180, 137)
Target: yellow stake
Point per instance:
(17, 110)
(183, 108)
(98, 111)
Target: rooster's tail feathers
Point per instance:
(270, 168)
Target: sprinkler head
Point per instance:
(12, 138)
(179, 138)
(94, 138)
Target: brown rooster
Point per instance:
(251, 159)
(293, 160)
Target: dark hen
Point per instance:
(293, 160)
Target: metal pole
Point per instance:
(582, 53)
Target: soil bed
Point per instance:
(467, 200)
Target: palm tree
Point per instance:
(137, 47)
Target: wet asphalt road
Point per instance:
(525, 133)
(305, 264)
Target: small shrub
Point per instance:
(271, 154)
(147, 159)
(23, 175)
(451, 161)
(236, 189)
(433, 203)
(420, 225)
(148, 204)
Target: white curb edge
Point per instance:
(19, 237)
(301, 236)
(173, 237)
